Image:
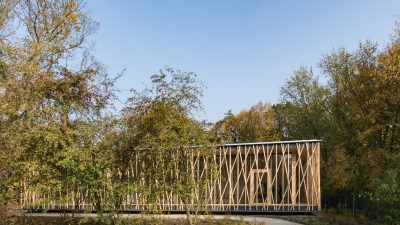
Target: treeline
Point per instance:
(59, 142)
(356, 113)
(57, 129)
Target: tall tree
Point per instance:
(256, 124)
(52, 95)
(305, 101)
(158, 123)
(365, 111)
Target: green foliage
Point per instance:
(386, 199)
(303, 111)
(356, 114)
(157, 125)
(256, 124)
(3, 71)
(103, 219)
(363, 111)
(50, 111)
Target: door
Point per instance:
(260, 187)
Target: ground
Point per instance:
(135, 219)
(330, 219)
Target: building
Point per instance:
(259, 177)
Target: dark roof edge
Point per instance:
(271, 142)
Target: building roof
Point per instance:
(271, 142)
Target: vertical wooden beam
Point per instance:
(269, 187)
(238, 162)
(276, 176)
(293, 171)
(230, 175)
(251, 188)
(282, 168)
(319, 174)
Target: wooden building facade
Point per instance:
(269, 176)
(249, 177)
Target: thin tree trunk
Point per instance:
(188, 214)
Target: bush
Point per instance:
(386, 199)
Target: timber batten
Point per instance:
(249, 177)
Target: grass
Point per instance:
(324, 218)
(107, 220)
(321, 219)
(329, 219)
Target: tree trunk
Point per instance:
(188, 214)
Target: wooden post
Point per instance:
(319, 174)
(293, 171)
(251, 187)
(269, 187)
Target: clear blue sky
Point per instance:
(242, 50)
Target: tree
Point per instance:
(386, 199)
(5, 18)
(305, 101)
(157, 123)
(256, 124)
(53, 93)
(389, 92)
(365, 110)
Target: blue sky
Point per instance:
(242, 50)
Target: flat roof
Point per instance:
(271, 142)
(253, 143)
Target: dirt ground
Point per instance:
(110, 221)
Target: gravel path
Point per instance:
(257, 219)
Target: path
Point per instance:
(257, 219)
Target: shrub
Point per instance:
(386, 199)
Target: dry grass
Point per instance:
(106, 220)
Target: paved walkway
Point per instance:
(256, 219)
